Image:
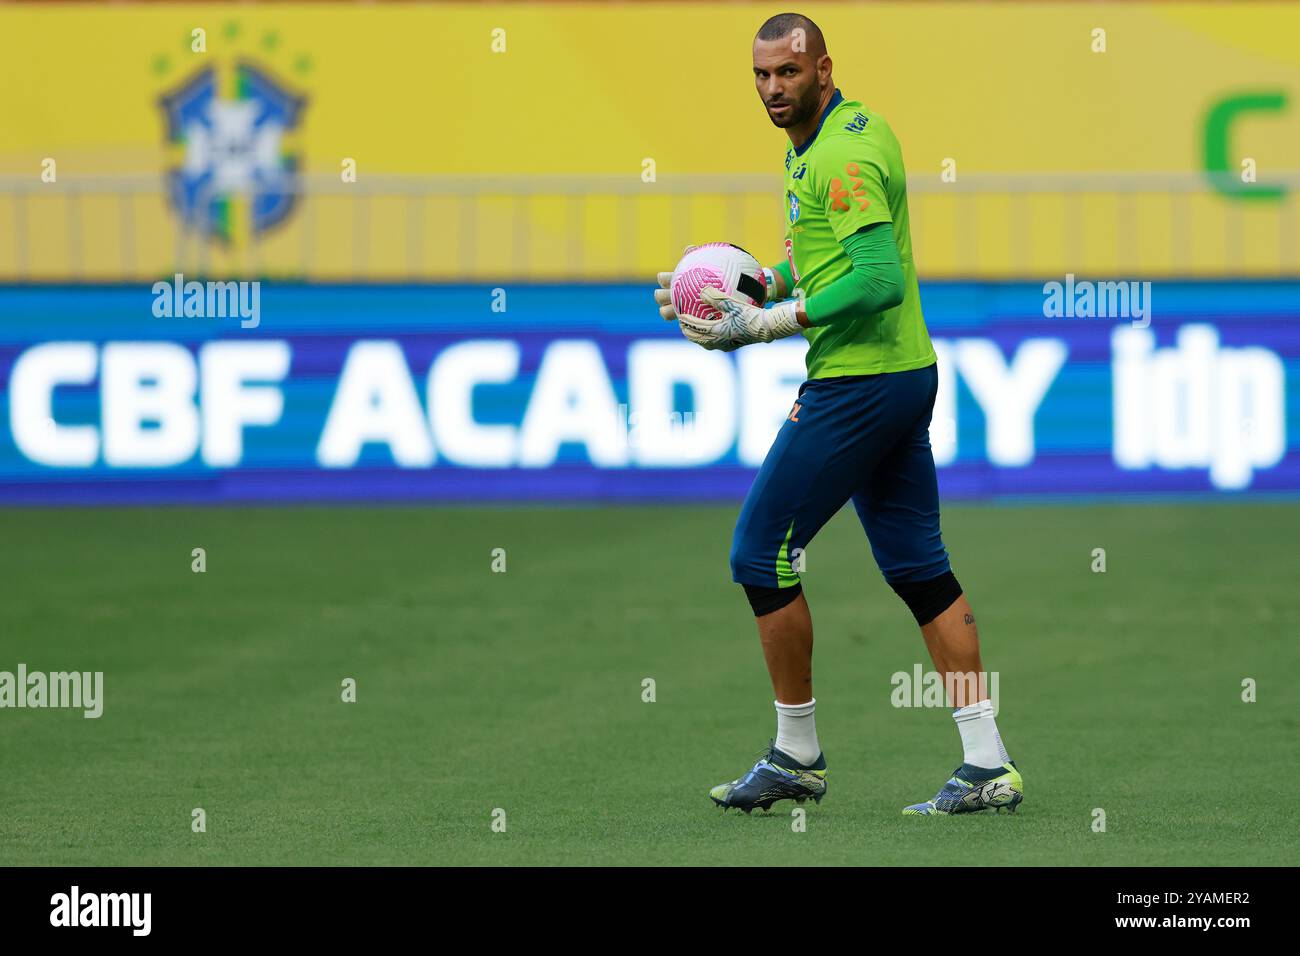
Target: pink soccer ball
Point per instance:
(722, 266)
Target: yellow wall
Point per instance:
(595, 89)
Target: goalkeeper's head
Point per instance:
(792, 70)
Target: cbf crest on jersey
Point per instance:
(794, 207)
(236, 173)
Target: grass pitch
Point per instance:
(523, 690)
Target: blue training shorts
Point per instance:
(864, 437)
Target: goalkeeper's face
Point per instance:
(788, 81)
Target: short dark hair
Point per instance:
(784, 23)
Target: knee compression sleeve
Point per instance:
(766, 600)
(928, 599)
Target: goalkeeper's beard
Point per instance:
(801, 110)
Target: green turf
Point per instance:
(522, 690)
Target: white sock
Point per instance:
(796, 731)
(980, 739)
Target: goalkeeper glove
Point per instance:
(740, 323)
(664, 297)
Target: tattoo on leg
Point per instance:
(970, 619)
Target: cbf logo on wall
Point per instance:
(232, 124)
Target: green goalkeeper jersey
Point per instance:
(850, 175)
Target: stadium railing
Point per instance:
(600, 228)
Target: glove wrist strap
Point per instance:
(784, 320)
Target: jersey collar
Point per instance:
(836, 100)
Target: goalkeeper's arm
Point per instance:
(874, 284)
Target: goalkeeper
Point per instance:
(859, 428)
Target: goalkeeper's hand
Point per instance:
(740, 323)
(664, 297)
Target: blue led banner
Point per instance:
(189, 392)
